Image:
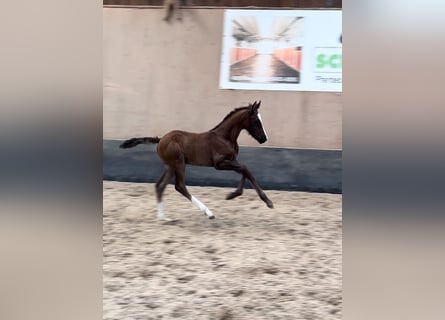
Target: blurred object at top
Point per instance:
(313, 4)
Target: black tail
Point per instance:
(135, 141)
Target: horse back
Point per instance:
(194, 147)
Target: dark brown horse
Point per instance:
(216, 148)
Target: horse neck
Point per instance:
(231, 127)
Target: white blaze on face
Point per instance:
(261, 120)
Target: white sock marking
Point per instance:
(161, 211)
(198, 203)
(261, 120)
(201, 206)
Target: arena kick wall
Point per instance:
(159, 76)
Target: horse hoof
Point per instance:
(167, 221)
(232, 195)
(270, 204)
(212, 217)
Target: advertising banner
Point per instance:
(292, 50)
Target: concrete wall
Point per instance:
(160, 76)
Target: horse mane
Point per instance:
(230, 114)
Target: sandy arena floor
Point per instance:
(251, 262)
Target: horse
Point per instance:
(216, 148)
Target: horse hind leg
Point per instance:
(182, 189)
(160, 188)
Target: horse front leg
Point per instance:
(237, 167)
(239, 190)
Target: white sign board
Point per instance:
(296, 50)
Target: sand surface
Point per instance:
(251, 262)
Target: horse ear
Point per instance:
(252, 107)
(256, 105)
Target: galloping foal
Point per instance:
(216, 148)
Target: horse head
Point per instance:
(254, 124)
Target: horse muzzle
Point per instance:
(262, 140)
